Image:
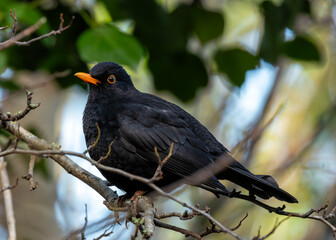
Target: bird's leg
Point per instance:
(121, 200)
(135, 199)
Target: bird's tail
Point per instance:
(263, 186)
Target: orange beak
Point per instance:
(87, 78)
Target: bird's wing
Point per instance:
(148, 128)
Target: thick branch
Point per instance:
(72, 168)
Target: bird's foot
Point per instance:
(121, 200)
(280, 209)
(135, 199)
(234, 193)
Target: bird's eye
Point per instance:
(111, 79)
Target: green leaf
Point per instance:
(301, 48)
(234, 63)
(208, 25)
(274, 24)
(108, 43)
(3, 62)
(182, 74)
(101, 13)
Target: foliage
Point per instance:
(164, 34)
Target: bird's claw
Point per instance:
(233, 193)
(135, 199)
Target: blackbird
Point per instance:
(132, 124)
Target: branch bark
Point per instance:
(72, 168)
(8, 200)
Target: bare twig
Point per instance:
(27, 32)
(3, 28)
(276, 225)
(19, 115)
(158, 173)
(240, 222)
(108, 152)
(95, 142)
(214, 229)
(177, 229)
(104, 234)
(10, 187)
(52, 33)
(255, 132)
(15, 39)
(30, 176)
(13, 15)
(85, 224)
(8, 201)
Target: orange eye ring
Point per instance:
(111, 79)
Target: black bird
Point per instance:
(138, 122)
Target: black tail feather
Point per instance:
(264, 186)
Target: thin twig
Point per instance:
(13, 15)
(276, 225)
(85, 224)
(186, 232)
(15, 39)
(158, 173)
(8, 201)
(21, 114)
(27, 32)
(108, 152)
(95, 142)
(52, 33)
(30, 176)
(104, 234)
(10, 187)
(240, 223)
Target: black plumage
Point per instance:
(137, 122)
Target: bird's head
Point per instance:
(107, 75)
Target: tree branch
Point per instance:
(30, 176)
(8, 201)
(99, 185)
(72, 168)
(39, 147)
(21, 114)
(15, 39)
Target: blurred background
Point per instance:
(260, 75)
